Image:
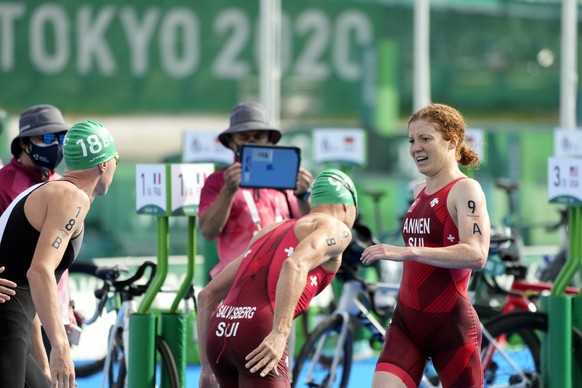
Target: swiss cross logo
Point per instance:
(289, 251)
(313, 279)
(451, 238)
(434, 202)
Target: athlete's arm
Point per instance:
(208, 301)
(325, 243)
(468, 208)
(304, 181)
(37, 348)
(65, 213)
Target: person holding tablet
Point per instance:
(232, 215)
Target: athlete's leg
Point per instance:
(386, 379)
(12, 363)
(272, 380)
(456, 354)
(35, 378)
(401, 362)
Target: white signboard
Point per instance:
(205, 147)
(150, 189)
(475, 139)
(568, 143)
(186, 183)
(564, 183)
(339, 145)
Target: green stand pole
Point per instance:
(142, 351)
(557, 347)
(162, 266)
(142, 331)
(577, 322)
(559, 369)
(574, 261)
(191, 255)
(174, 327)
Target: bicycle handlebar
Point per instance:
(109, 274)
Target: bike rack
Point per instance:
(559, 369)
(164, 190)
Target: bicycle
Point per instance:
(119, 295)
(510, 347)
(520, 295)
(326, 356)
(550, 269)
(83, 281)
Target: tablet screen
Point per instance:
(269, 166)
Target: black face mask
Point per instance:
(47, 157)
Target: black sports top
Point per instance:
(18, 241)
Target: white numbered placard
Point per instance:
(568, 143)
(187, 180)
(205, 147)
(475, 138)
(339, 145)
(150, 189)
(564, 180)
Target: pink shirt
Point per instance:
(15, 178)
(271, 205)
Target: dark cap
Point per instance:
(38, 120)
(249, 116)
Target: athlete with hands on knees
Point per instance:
(446, 235)
(245, 313)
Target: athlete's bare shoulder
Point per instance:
(322, 223)
(57, 202)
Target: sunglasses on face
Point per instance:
(49, 138)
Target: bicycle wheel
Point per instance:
(518, 336)
(117, 372)
(169, 364)
(313, 366)
(89, 354)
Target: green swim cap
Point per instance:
(88, 144)
(333, 187)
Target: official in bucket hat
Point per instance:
(249, 116)
(38, 120)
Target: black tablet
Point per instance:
(269, 166)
